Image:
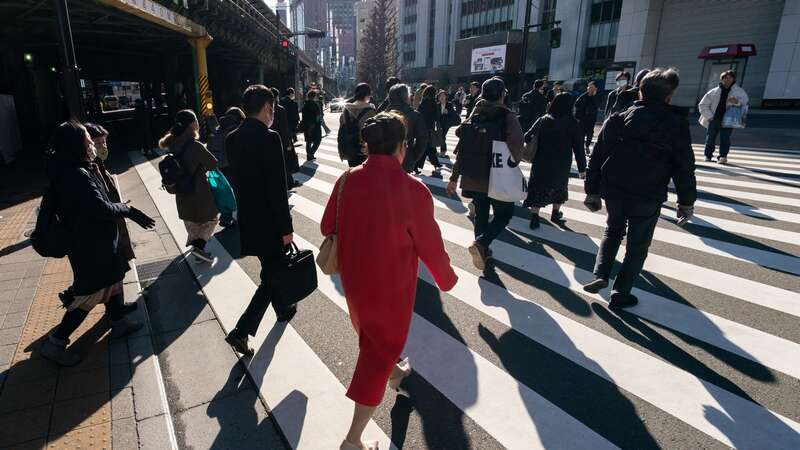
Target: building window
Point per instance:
(409, 57)
(604, 20)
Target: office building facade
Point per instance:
(464, 40)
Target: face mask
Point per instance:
(102, 151)
(622, 83)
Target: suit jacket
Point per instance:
(256, 160)
(280, 124)
(292, 113)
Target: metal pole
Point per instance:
(525, 30)
(71, 82)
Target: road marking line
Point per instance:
(311, 409)
(670, 389)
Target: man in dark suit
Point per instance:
(255, 155)
(280, 124)
(292, 112)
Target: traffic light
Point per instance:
(316, 34)
(285, 43)
(555, 37)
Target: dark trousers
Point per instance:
(432, 157)
(311, 147)
(251, 318)
(486, 231)
(639, 220)
(588, 132)
(444, 140)
(714, 129)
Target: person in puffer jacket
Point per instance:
(638, 153)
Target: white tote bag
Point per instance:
(506, 182)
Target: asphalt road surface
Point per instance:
(521, 357)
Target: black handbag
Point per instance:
(295, 277)
(50, 238)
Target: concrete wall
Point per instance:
(783, 80)
(686, 26)
(565, 61)
(638, 31)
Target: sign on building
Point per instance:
(488, 59)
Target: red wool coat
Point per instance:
(386, 225)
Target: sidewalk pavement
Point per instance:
(174, 384)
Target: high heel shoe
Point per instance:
(347, 445)
(403, 370)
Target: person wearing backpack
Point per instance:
(416, 131)
(490, 121)
(193, 196)
(639, 151)
(91, 220)
(351, 121)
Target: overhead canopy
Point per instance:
(727, 51)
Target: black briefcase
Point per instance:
(295, 277)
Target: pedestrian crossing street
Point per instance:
(521, 357)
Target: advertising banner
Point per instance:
(488, 59)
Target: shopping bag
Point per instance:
(506, 182)
(735, 117)
(223, 193)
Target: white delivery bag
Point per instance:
(506, 182)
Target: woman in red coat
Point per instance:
(385, 226)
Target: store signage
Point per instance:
(488, 59)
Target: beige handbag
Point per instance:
(327, 258)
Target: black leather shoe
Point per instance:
(239, 343)
(620, 300)
(534, 221)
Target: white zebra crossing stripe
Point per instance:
(493, 399)
(750, 343)
(750, 291)
(663, 385)
(743, 253)
(313, 407)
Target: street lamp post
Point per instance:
(72, 90)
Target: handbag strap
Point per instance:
(339, 200)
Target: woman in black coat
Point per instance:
(560, 137)
(312, 124)
(446, 117)
(430, 114)
(92, 221)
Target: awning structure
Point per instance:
(727, 51)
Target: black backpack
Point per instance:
(349, 138)
(476, 136)
(50, 238)
(174, 177)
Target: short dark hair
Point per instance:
(623, 74)
(255, 97)
(561, 106)
(727, 73)
(429, 92)
(476, 84)
(383, 132)
(640, 75)
(275, 92)
(289, 91)
(538, 84)
(95, 130)
(311, 95)
(659, 84)
(591, 83)
(362, 91)
(235, 113)
(398, 93)
(391, 81)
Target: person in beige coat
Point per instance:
(197, 208)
